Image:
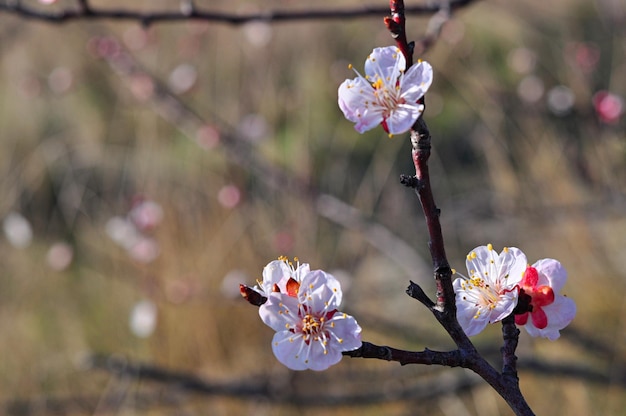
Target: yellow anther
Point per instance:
(489, 247)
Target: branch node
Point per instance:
(410, 181)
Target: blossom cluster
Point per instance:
(302, 307)
(501, 284)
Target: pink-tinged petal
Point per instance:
(386, 63)
(531, 277)
(321, 291)
(560, 314)
(402, 118)
(290, 350)
(353, 95)
(521, 319)
(321, 358)
(368, 121)
(542, 296)
(471, 323)
(552, 271)
(504, 307)
(275, 273)
(539, 318)
(355, 100)
(280, 312)
(346, 332)
(416, 81)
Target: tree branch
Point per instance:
(85, 12)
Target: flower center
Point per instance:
(387, 96)
(311, 324)
(482, 293)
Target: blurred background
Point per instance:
(146, 171)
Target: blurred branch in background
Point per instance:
(188, 11)
(163, 388)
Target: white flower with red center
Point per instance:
(311, 332)
(490, 292)
(387, 94)
(549, 312)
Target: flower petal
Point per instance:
(275, 273)
(290, 350)
(539, 318)
(560, 314)
(355, 101)
(416, 81)
(514, 261)
(467, 314)
(552, 273)
(280, 311)
(386, 63)
(402, 118)
(321, 291)
(346, 332)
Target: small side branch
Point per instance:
(427, 357)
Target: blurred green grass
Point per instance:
(80, 143)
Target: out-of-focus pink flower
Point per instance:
(145, 250)
(549, 311)
(229, 196)
(60, 256)
(608, 106)
(207, 137)
(584, 55)
(146, 215)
